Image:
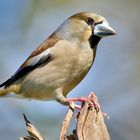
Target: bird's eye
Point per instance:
(89, 21)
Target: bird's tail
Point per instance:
(12, 88)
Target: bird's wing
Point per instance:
(42, 55)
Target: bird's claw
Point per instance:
(90, 99)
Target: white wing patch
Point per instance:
(34, 60)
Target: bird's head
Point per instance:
(86, 26)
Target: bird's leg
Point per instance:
(83, 99)
(66, 101)
(63, 100)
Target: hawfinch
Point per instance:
(61, 61)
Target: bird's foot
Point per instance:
(97, 106)
(79, 99)
(90, 99)
(93, 98)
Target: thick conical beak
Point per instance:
(103, 29)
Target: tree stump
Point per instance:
(89, 125)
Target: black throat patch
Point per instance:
(93, 41)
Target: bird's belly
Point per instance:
(63, 73)
(74, 82)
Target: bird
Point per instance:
(61, 62)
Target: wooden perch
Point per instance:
(89, 126)
(66, 122)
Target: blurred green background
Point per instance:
(115, 76)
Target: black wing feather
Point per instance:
(22, 71)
